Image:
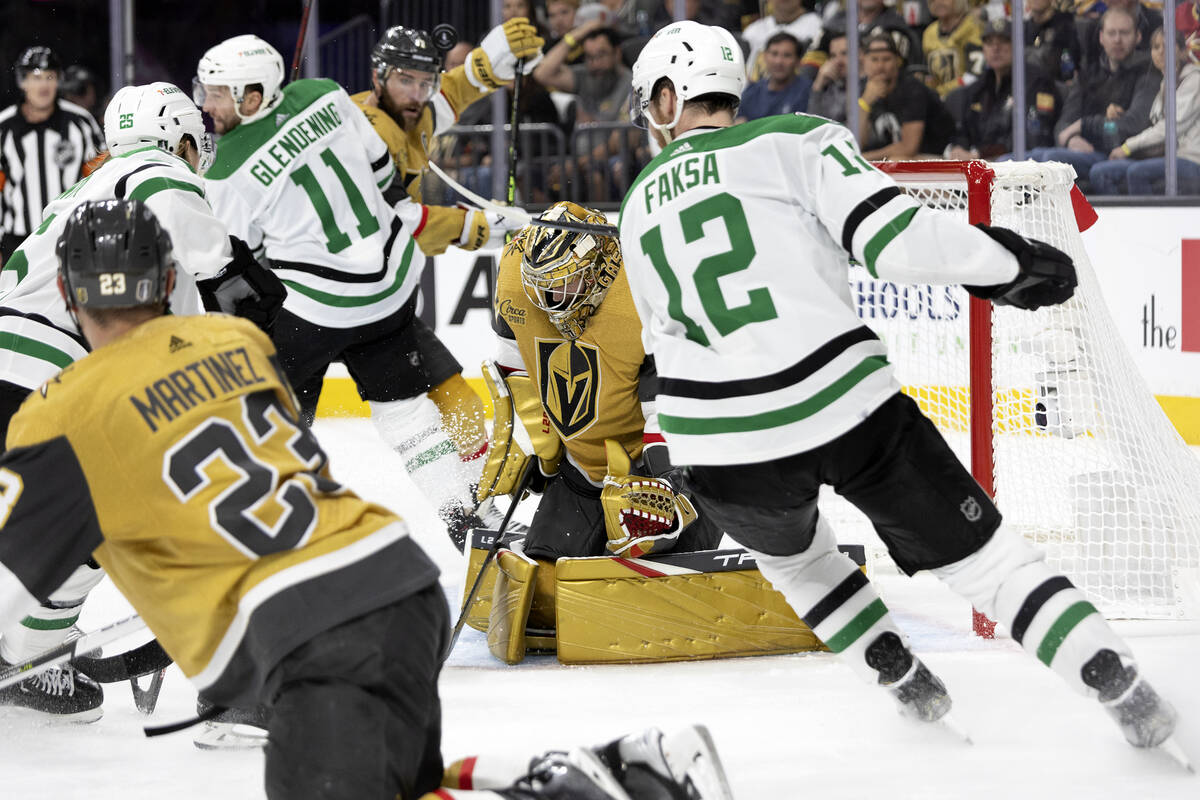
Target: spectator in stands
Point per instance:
(985, 127)
(828, 97)
(901, 116)
(952, 47)
(637, 17)
(1187, 17)
(873, 17)
(601, 83)
(792, 16)
(782, 91)
(1146, 21)
(560, 16)
(1108, 103)
(1136, 166)
(1051, 40)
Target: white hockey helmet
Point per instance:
(238, 63)
(157, 114)
(697, 59)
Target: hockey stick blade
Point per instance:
(86, 643)
(144, 660)
(520, 216)
(1174, 750)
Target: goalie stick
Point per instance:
(144, 660)
(522, 485)
(520, 216)
(67, 651)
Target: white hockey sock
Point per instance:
(1008, 580)
(833, 597)
(50, 625)
(413, 428)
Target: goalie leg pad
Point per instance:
(511, 599)
(1008, 580)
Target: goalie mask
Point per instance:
(566, 274)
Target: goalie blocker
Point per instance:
(671, 607)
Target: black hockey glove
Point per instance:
(1045, 277)
(244, 288)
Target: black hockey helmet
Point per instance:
(114, 254)
(34, 58)
(406, 48)
(75, 79)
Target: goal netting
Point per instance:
(1046, 407)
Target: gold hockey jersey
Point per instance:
(174, 455)
(590, 386)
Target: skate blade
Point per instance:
(704, 770)
(1175, 751)
(229, 736)
(948, 723)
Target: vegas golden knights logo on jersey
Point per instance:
(569, 381)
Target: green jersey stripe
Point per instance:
(35, 624)
(343, 301)
(729, 137)
(153, 186)
(699, 426)
(19, 263)
(34, 349)
(445, 448)
(856, 627)
(1062, 626)
(884, 237)
(385, 180)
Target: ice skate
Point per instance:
(577, 775)
(682, 766)
(58, 694)
(232, 729)
(1145, 719)
(920, 693)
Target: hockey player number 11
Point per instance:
(759, 307)
(336, 239)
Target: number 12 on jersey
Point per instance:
(759, 307)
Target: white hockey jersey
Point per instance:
(735, 243)
(305, 183)
(37, 335)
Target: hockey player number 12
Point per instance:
(758, 307)
(336, 239)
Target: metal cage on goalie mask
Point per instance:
(565, 273)
(114, 254)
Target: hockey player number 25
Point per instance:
(336, 239)
(758, 307)
(258, 462)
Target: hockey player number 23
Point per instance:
(758, 307)
(336, 239)
(232, 512)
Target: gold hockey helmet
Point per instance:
(565, 273)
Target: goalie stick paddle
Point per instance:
(522, 485)
(67, 651)
(520, 216)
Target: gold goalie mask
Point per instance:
(566, 274)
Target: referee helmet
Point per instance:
(37, 58)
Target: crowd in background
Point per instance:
(935, 82)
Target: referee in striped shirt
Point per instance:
(44, 144)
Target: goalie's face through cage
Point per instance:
(566, 274)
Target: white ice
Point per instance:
(797, 726)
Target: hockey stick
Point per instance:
(522, 485)
(514, 129)
(67, 651)
(520, 216)
(298, 57)
(144, 660)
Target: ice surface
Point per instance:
(799, 726)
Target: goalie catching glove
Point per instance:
(244, 288)
(641, 515)
(494, 62)
(517, 434)
(1045, 275)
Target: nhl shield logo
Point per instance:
(569, 382)
(971, 509)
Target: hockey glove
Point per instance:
(244, 288)
(641, 515)
(517, 435)
(485, 229)
(1045, 276)
(494, 62)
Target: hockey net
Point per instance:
(1046, 407)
